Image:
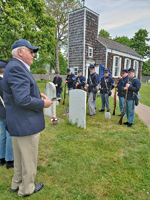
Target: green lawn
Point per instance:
(145, 94)
(106, 161)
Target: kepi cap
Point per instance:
(79, 70)
(106, 70)
(56, 72)
(124, 71)
(3, 64)
(26, 43)
(131, 70)
(68, 70)
(91, 66)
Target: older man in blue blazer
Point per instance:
(24, 116)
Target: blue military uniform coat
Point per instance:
(110, 84)
(24, 106)
(121, 84)
(93, 82)
(58, 81)
(70, 80)
(135, 85)
(81, 81)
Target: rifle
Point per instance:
(120, 121)
(64, 94)
(114, 101)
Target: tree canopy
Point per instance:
(59, 9)
(26, 19)
(104, 33)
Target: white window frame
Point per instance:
(90, 52)
(125, 63)
(114, 66)
(136, 67)
(75, 71)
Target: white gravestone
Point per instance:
(50, 92)
(148, 81)
(77, 107)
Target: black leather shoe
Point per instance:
(9, 164)
(101, 110)
(38, 187)
(90, 115)
(125, 123)
(129, 124)
(2, 162)
(108, 110)
(14, 190)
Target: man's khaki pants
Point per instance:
(25, 163)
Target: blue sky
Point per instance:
(122, 17)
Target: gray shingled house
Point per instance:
(85, 47)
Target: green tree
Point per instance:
(146, 67)
(63, 64)
(124, 40)
(139, 43)
(104, 33)
(59, 9)
(26, 19)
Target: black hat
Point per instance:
(56, 72)
(91, 66)
(124, 71)
(131, 70)
(79, 70)
(26, 43)
(106, 70)
(68, 70)
(3, 64)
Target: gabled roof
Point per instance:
(111, 44)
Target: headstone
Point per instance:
(148, 81)
(107, 115)
(50, 92)
(77, 107)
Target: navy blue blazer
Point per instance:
(2, 109)
(24, 106)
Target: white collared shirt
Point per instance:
(1, 76)
(27, 66)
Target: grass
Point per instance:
(106, 161)
(145, 94)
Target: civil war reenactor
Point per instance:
(121, 92)
(58, 81)
(92, 82)
(80, 81)
(107, 84)
(133, 87)
(70, 80)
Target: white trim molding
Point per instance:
(90, 52)
(136, 67)
(124, 54)
(127, 63)
(116, 66)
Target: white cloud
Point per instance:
(122, 16)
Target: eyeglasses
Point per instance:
(31, 51)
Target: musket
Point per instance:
(64, 94)
(114, 101)
(120, 121)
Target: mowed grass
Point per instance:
(145, 94)
(105, 161)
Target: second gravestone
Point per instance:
(77, 107)
(50, 92)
